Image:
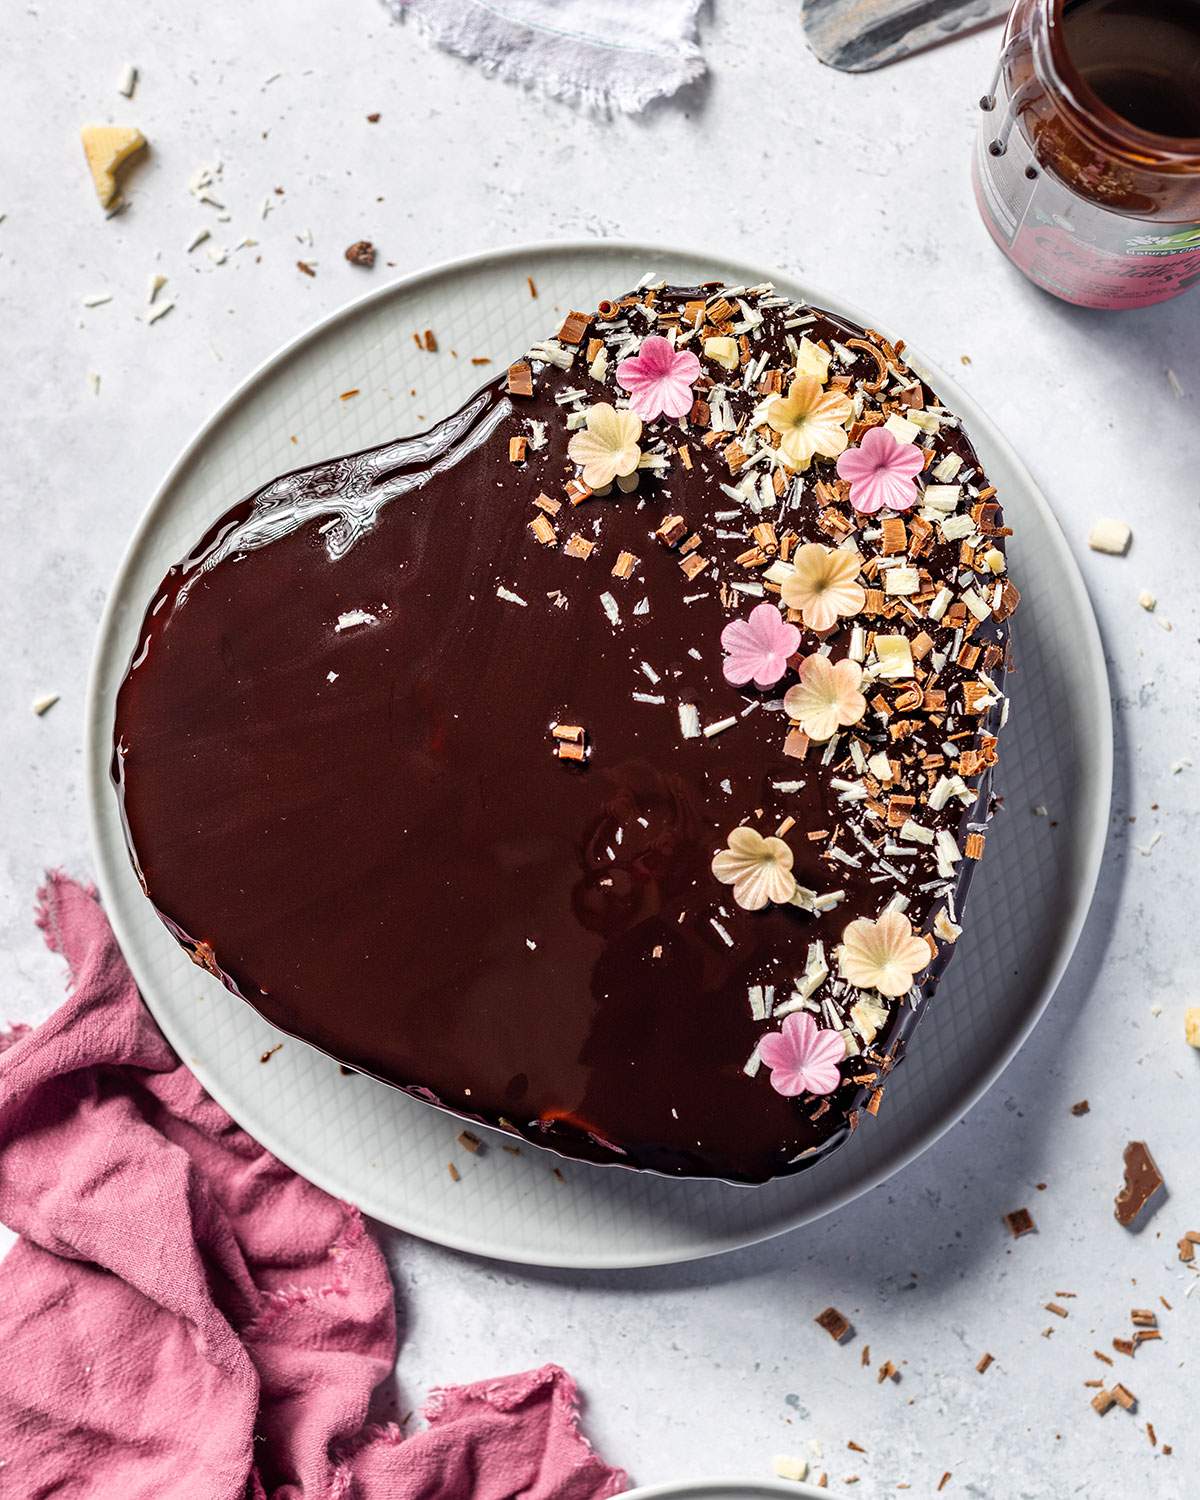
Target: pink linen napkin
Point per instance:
(185, 1317)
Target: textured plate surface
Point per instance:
(388, 1153)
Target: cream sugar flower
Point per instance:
(823, 585)
(607, 448)
(810, 421)
(827, 697)
(883, 955)
(759, 869)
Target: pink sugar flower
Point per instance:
(881, 472)
(659, 379)
(759, 647)
(803, 1057)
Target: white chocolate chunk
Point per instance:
(723, 350)
(106, 147)
(1110, 536)
(811, 359)
(901, 428)
(895, 655)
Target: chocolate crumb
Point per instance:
(1081, 1108)
(303, 265)
(1103, 1401)
(1020, 1222)
(455, 1175)
(270, 1053)
(943, 1481)
(470, 1142)
(373, 118)
(1124, 1397)
(1142, 1181)
(984, 1361)
(834, 1324)
(361, 253)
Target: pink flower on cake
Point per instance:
(823, 585)
(759, 869)
(659, 379)
(803, 1057)
(881, 472)
(758, 648)
(884, 955)
(826, 698)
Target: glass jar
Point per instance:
(1087, 162)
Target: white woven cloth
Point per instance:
(604, 54)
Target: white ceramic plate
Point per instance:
(730, 1489)
(389, 1153)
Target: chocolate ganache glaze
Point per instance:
(427, 752)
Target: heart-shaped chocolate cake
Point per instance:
(609, 762)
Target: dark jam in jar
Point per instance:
(1087, 166)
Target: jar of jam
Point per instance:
(1087, 163)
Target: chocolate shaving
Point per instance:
(835, 1325)
(1020, 1222)
(1142, 1181)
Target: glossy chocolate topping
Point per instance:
(342, 793)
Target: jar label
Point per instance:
(1077, 250)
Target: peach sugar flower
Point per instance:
(810, 421)
(884, 955)
(607, 448)
(759, 869)
(823, 585)
(826, 698)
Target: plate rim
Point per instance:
(716, 1488)
(97, 788)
